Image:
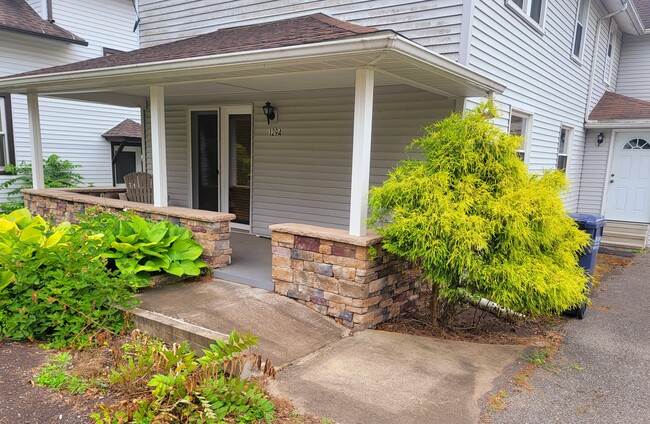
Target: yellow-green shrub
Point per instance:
(477, 223)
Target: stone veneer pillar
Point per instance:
(211, 229)
(349, 278)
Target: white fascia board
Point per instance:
(375, 44)
(626, 124)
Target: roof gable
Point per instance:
(126, 129)
(614, 106)
(277, 34)
(18, 16)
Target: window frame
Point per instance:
(584, 32)
(568, 142)
(524, 10)
(6, 128)
(526, 131)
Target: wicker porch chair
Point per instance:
(139, 187)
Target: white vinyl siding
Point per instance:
(594, 171)
(304, 174)
(71, 129)
(634, 75)
(540, 76)
(434, 24)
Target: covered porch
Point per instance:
(346, 100)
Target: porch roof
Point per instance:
(616, 110)
(258, 58)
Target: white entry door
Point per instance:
(628, 193)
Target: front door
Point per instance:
(221, 141)
(628, 193)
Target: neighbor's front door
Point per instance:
(628, 193)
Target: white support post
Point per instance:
(361, 143)
(38, 179)
(158, 145)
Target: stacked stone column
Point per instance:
(351, 279)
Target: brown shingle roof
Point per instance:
(18, 16)
(614, 106)
(643, 7)
(289, 32)
(127, 128)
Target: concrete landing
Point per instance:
(251, 261)
(379, 377)
(200, 311)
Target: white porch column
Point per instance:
(36, 145)
(361, 142)
(158, 145)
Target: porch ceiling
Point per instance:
(326, 65)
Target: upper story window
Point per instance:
(520, 124)
(6, 136)
(580, 33)
(607, 73)
(533, 11)
(563, 148)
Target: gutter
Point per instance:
(592, 74)
(385, 42)
(79, 41)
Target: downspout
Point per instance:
(594, 57)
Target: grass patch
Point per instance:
(497, 401)
(57, 376)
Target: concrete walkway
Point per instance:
(370, 377)
(601, 373)
(379, 377)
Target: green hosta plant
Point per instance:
(477, 224)
(138, 246)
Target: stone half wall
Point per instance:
(337, 274)
(210, 229)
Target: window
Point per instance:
(520, 126)
(126, 160)
(563, 147)
(581, 28)
(6, 133)
(607, 74)
(637, 144)
(532, 11)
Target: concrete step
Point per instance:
(201, 311)
(621, 244)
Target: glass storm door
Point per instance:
(205, 159)
(239, 164)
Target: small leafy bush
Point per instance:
(183, 388)
(54, 283)
(138, 246)
(57, 173)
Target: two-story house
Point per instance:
(35, 34)
(286, 112)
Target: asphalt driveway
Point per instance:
(602, 372)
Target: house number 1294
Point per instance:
(273, 132)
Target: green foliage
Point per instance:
(57, 173)
(138, 246)
(184, 388)
(54, 283)
(55, 375)
(477, 224)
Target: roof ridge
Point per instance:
(629, 98)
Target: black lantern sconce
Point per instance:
(270, 112)
(600, 138)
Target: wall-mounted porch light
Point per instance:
(600, 138)
(269, 112)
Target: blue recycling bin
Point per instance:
(593, 225)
